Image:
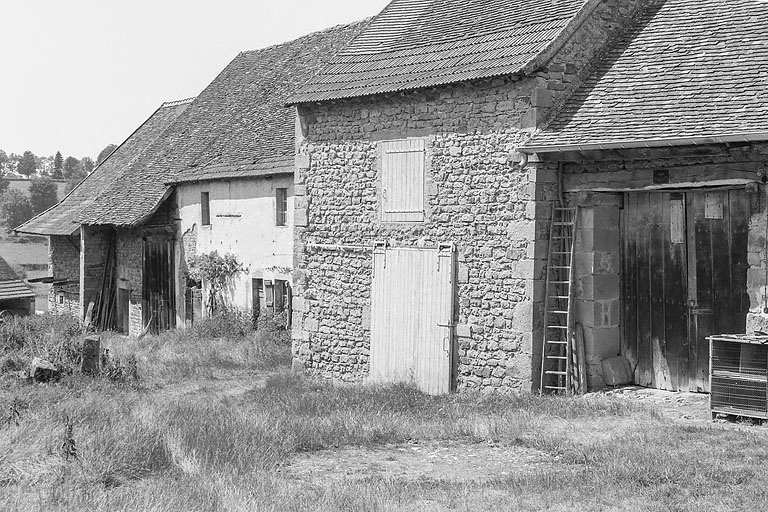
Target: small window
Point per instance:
(402, 180)
(205, 208)
(281, 206)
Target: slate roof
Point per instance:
(238, 124)
(693, 68)
(62, 218)
(11, 287)
(414, 44)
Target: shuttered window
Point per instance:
(402, 180)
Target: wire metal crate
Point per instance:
(739, 375)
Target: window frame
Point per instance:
(205, 208)
(281, 206)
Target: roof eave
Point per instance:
(761, 136)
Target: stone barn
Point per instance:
(421, 229)
(665, 150)
(16, 297)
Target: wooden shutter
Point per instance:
(402, 180)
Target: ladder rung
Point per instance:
(556, 327)
(565, 223)
(567, 253)
(561, 267)
(559, 312)
(562, 358)
(559, 282)
(559, 297)
(556, 387)
(557, 342)
(565, 208)
(553, 372)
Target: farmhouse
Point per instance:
(121, 241)
(441, 169)
(16, 297)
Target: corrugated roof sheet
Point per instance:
(239, 120)
(693, 68)
(414, 44)
(62, 218)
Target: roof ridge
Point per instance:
(176, 103)
(340, 26)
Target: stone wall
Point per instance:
(129, 251)
(64, 265)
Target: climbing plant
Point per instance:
(216, 271)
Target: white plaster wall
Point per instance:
(242, 223)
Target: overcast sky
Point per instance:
(76, 75)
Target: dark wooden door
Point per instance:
(685, 267)
(159, 297)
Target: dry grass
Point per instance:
(140, 448)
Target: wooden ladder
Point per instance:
(558, 363)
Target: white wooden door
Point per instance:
(412, 317)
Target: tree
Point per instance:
(42, 194)
(3, 160)
(216, 272)
(105, 153)
(28, 164)
(71, 168)
(58, 166)
(15, 210)
(86, 163)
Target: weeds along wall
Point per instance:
(479, 194)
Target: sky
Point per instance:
(77, 75)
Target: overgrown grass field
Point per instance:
(174, 440)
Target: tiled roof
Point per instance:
(62, 218)
(414, 44)
(693, 68)
(239, 120)
(11, 287)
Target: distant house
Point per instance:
(213, 173)
(437, 146)
(16, 297)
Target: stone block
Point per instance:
(606, 217)
(301, 218)
(311, 324)
(463, 330)
(303, 162)
(463, 273)
(541, 97)
(606, 287)
(299, 305)
(601, 343)
(606, 240)
(522, 321)
(366, 318)
(299, 190)
(616, 371)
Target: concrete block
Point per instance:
(541, 97)
(606, 217)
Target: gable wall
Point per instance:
(64, 265)
(478, 196)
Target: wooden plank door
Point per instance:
(684, 271)
(412, 313)
(159, 294)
